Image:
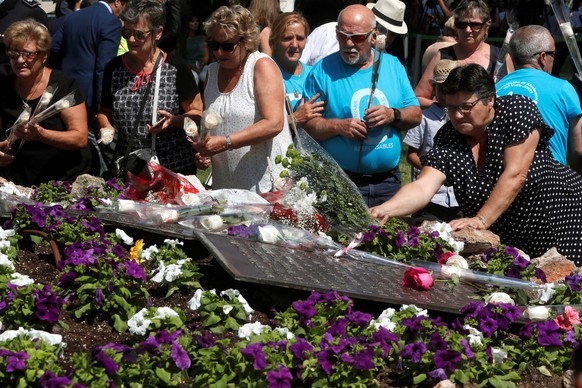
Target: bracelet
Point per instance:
(482, 219)
(228, 143)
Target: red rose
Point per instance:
(418, 278)
(445, 257)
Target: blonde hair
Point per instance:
(20, 32)
(281, 23)
(236, 21)
(264, 11)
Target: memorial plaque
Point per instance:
(252, 261)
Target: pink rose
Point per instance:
(418, 278)
(570, 318)
(445, 257)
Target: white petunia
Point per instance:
(6, 262)
(230, 292)
(127, 240)
(165, 312)
(227, 309)
(174, 242)
(246, 307)
(172, 272)
(419, 312)
(499, 297)
(21, 280)
(138, 324)
(160, 273)
(537, 313)
(5, 233)
(11, 334)
(4, 244)
(49, 338)
(269, 234)
(195, 303)
(475, 336)
(147, 253)
(248, 329)
(499, 355)
(385, 323)
(546, 292)
(387, 314)
(284, 331)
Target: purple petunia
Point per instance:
(16, 361)
(280, 378)
(570, 338)
(50, 380)
(413, 351)
(488, 325)
(549, 333)
(300, 347)
(521, 262)
(359, 318)
(467, 348)
(48, 305)
(99, 297)
(511, 251)
(364, 360)
(326, 358)
(255, 352)
(437, 342)
(135, 270)
(400, 240)
(447, 359)
(487, 254)
(414, 324)
(108, 364)
(413, 232)
(472, 310)
(118, 250)
(513, 273)
(437, 375)
(540, 274)
(305, 309)
(206, 340)
(573, 282)
(413, 242)
(338, 327)
(382, 338)
(525, 331)
(180, 356)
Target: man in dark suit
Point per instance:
(85, 43)
(12, 11)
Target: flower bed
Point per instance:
(160, 326)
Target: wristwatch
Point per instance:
(228, 143)
(397, 115)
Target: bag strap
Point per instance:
(140, 112)
(155, 108)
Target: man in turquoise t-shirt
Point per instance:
(364, 138)
(532, 50)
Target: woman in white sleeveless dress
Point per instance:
(245, 88)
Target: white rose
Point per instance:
(457, 261)
(190, 127)
(195, 303)
(189, 199)
(499, 297)
(537, 313)
(211, 120)
(127, 240)
(107, 135)
(269, 234)
(212, 222)
(567, 30)
(125, 206)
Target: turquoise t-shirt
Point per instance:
(347, 91)
(295, 84)
(556, 99)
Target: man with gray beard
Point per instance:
(360, 127)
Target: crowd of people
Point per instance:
(492, 148)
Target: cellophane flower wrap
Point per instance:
(338, 198)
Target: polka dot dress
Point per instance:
(547, 212)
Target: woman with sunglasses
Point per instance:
(245, 88)
(287, 40)
(472, 21)
(125, 80)
(494, 152)
(55, 148)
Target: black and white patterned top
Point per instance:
(122, 92)
(547, 212)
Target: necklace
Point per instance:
(25, 101)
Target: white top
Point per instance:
(251, 167)
(320, 43)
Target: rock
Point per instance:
(476, 241)
(84, 183)
(554, 265)
(445, 384)
(569, 379)
(26, 191)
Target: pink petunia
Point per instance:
(571, 317)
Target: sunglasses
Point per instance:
(463, 108)
(28, 55)
(550, 53)
(138, 34)
(227, 47)
(356, 38)
(475, 26)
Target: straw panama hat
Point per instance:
(442, 69)
(390, 14)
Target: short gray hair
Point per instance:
(154, 13)
(526, 42)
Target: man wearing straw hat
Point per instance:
(367, 107)
(444, 205)
(532, 50)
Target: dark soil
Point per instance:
(38, 261)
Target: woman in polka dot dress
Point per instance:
(494, 152)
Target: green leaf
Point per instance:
(119, 324)
(419, 378)
(164, 375)
(543, 370)
(82, 310)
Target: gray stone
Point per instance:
(555, 265)
(26, 191)
(569, 379)
(84, 184)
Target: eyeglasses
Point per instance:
(550, 53)
(138, 34)
(28, 55)
(356, 38)
(227, 47)
(463, 108)
(475, 26)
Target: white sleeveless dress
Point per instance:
(252, 167)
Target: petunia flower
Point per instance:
(413, 351)
(255, 353)
(571, 317)
(300, 347)
(180, 356)
(109, 365)
(280, 378)
(549, 333)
